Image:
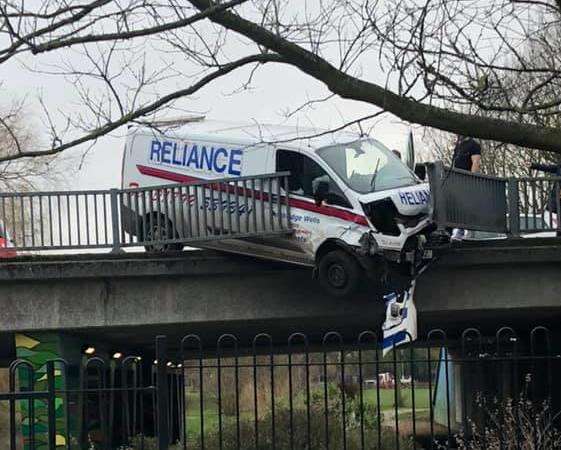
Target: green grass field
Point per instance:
(405, 398)
(387, 403)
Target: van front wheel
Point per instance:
(339, 273)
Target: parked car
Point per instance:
(6, 245)
(531, 226)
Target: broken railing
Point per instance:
(510, 206)
(159, 217)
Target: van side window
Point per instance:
(304, 173)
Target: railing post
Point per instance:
(436, 178)
(162, 393)
(558, 205)
(513, 207)
(114, 195)
(287, 202)
(51, 407)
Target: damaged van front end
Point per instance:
(400, 222)
(394, 206)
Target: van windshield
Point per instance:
(367, 166)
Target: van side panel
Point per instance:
(156, 160)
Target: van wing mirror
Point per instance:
(421, 171)
(321, 190)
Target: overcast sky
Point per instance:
(275, 90)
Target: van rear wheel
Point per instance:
(160, 230)
(339, 273)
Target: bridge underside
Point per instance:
(128, 299)
(487, 285)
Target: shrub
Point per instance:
(148, 443)
(285, 435)
(511, 424)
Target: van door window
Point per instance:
(304, 174)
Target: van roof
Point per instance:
(255, 132)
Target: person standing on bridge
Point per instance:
(467, 156)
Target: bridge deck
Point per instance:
(492, 283)
(133, 296)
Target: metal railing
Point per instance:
(509, 206)
(465, 200)
(497, 388)
(157, 217)
(534, 203)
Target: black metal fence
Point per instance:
(468, 391)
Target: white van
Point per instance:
(354, 205)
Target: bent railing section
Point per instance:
(465, 200)
(154, 216)
(510, 206)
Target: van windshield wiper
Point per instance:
(373, 179)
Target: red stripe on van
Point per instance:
(328, 211)
(166, 174)
(294, 203)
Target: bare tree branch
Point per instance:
(28, 38)
(147, 109)
(118, 36)
(351, 87)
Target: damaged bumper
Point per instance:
(414, 251)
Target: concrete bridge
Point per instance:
(127, 299)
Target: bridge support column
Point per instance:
(39, 347)
(481, 385)
(448, 406)
(464, 383)
(36, 349)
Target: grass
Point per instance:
(387, 397)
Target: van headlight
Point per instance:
(383, 214)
